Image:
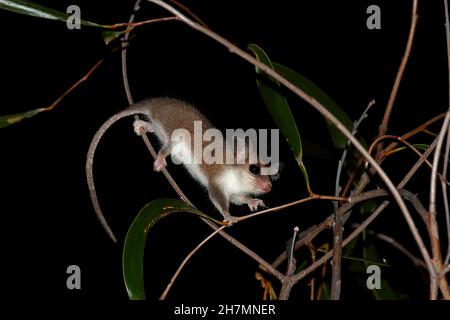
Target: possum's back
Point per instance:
(171, 114)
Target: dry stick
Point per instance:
(387, 114)
(326, 222)
(408, 135)
(126, 84)
(133, 25)
(400, 140)
(397, 245)
(446, 269)
(444, 174)
(197, 18)
(292, 263)
(445, 196)
(290, 204)
(174, 277)
(169, 178)
(421, 128)
(76, 84)
(319, 107)
(338, 223)
(433, 228)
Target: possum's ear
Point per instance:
(245, 152)
(276, 176)
(240, 154)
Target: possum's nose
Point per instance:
(266, 186)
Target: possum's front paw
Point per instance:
(141, 124)
(160, 163)
(230, 220)
(253, 204)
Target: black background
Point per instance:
(48, 222)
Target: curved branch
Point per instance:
(174, 277)
(387, 114)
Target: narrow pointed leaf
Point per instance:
(277, 105)
(385, 292)
(10, 119)
(110, 35)
(339, 140)
(36, 10)
(134, 246)
(280, 111)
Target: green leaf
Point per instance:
(369, 206)
(133, 250)
(30, 8)
(339, 140)
(325, 291)
(385, 292)
(109, 35)
(279, 109)
(277, 105)
(10, 119)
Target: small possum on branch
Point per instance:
(226, 183)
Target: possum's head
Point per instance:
(244, 179)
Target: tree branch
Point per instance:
(174, 277)
(397, 245)
(338, 223)
(387, 114)
(433, 230)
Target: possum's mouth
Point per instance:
(263, 186)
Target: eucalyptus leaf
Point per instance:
(110, 35)
(30, 8)
(385, 292)
(278, 107)
(10, 119)
(339, 140)
(134, 246)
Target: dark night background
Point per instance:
(48, 222)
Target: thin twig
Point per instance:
(407, 144)
(387, 114)
(131, 25)
(420, 128)
(337, 187)
(444, 174)
(174, 277)
(338, 223)
(292, 263)
(124, 53)
(445, 196)
(433, 228)
(76, 84)
(290, 204)
(193, 15)
(397, 245)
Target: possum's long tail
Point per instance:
(134, 110)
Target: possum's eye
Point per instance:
(255, 169)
